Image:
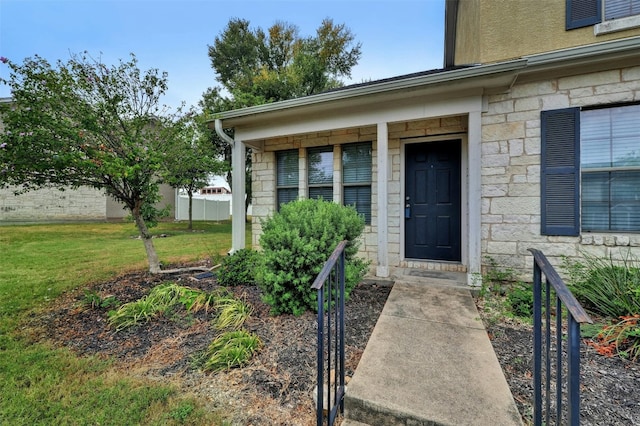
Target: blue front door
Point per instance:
(432, 200)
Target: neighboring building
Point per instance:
(528, 138)
(214, 190)
(52, 204)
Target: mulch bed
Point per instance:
(276, 387)
(609, 386)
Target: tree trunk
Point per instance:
(190, 193)
(152, 256)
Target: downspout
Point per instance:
(238, 212)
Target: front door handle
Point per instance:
(407, 211)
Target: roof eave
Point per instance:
(378, 88)
(548, 61)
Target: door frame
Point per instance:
(464, 194)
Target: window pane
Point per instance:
(625, 135)
(595, 201)
(287, 194)
(320, 165)
(625, 200)
(356, 161)
(287, 168)
(620, 8)
(360, 198)
(610, 201)
(595, 138)
(324, 192)
(610, 137)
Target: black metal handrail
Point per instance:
(575, 316)
(330, 287)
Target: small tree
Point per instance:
(190, 158)
(83, 123)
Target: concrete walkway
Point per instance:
(429, 361)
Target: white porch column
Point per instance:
(238, 212)
(475, 198)
(382, 269)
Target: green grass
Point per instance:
(41, 385)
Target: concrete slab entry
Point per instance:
(430, 362)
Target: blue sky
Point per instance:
(398, 36)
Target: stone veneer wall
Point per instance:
(52, 204)
(264, 178)
(511, 168)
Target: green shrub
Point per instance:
(519, 300)
(604, 286)
(93, 300)
(239, 268)
(296, 243)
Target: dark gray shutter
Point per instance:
(582, 13)
(560, 172)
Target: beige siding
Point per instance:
(497, 30)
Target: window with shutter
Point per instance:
(610, 164)
(287, 176)
(559, 172)
(356, 177)
(320, 167)
(583, 13)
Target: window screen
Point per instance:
(320, 167)
(356, 177)
(610, 163)
(287, 176)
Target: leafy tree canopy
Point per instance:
(258, 67)
(255, 67)
(83, 123)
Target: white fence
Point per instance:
(203, 209)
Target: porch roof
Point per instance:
(442, 82)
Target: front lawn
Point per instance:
(42, 385)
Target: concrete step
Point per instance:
(429, 361)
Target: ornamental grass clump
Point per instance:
(296, 242)
(231, 313)
(160, 299)
(606, 287)
(231, 349)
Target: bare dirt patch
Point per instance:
(274, 389)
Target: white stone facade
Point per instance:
(511, 147)
(264, 179)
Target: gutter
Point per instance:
(220, 132)
(394, 84)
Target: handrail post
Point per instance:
(330, 280)
(537, 346)
(576, 315)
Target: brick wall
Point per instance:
(511, 168)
